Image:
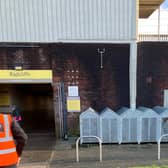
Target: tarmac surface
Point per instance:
(43, 151)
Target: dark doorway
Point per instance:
(35, 104)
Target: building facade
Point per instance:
(91, 45)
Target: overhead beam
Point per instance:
(147, 7)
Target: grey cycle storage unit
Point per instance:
(110, 126)
(150, 130)
(130, 124)
(163, 112)
(89, 125)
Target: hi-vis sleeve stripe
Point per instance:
(6, 139)
(6, 125)
(7, 151)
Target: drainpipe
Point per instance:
(159, 23)
(133, 74)
(64, 110)
(133, 61)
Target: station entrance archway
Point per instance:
(35, 104)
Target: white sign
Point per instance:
(73, 91)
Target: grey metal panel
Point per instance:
(163, 112)
(106, 133)
(149, 129)
(89, 125)
(85, 129)
(97, 19)
(145, 132)
(151, 125)
(109, 126)
(114, 130)
(164, 128)
(110, 133)
(131, 124)
(56, 20)
(133, 129)
(125, 130)
(129, 130)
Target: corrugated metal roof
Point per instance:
(61, 20)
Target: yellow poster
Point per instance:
(4, 99)
(73, 104)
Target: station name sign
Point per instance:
(19, 74)
(25, 76)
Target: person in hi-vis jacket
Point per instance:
(12, 141)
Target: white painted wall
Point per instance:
(150, 25)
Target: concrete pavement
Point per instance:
(43, 151)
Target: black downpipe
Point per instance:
(64, 110)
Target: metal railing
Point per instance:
(77, 146)
(153, 37)
(159, 144)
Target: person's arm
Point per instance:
(20, 137)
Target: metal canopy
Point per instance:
(147, 7)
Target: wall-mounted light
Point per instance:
(101, 52)
(18, 68)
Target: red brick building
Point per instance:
(66, 39)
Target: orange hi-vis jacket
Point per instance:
(8, 154)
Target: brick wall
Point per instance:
(152, 73)
(75, 64)
(29, 56)
(98, 88)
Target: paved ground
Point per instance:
(43, 151)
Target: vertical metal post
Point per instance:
(164, 135)
(100, 147)
(64, 112)
(77, 150)
(159, 150)
(58, 99)
(57, 109)
(133, 74)
(159, 23)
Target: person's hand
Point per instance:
(18, 160)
